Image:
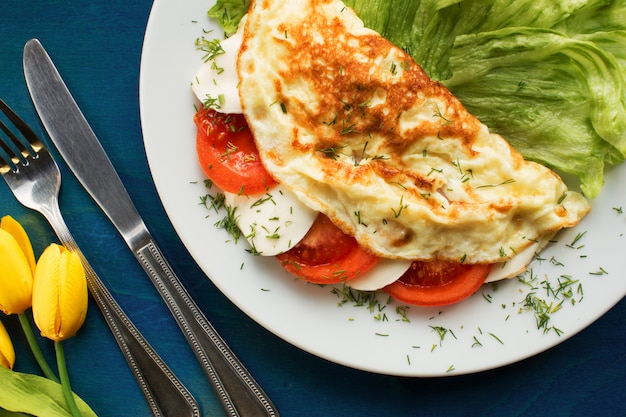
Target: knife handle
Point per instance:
(236, 388)
(165, 394)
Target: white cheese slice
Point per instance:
(272, 222)
(217, 78)
(519, 262)
(382, 274)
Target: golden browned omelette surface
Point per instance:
(357, 130)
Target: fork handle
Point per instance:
(165, 394)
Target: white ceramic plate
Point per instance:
(495, 327)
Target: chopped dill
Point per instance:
(213, 202)
(210, 47)
(476, 342)
(229, 223)
(497, 338)
(509, 181)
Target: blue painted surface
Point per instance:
(97, 47)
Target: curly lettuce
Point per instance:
(228, 13)
(548, 75)
(558, 100)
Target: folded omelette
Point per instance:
(354, 127)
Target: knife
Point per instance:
(68, 129)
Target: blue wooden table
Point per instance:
(97, 47)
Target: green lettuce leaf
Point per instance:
(229, 13)
(558, 100)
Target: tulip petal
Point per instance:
(16, 278)
(59, 293)
(72, 294)
(7, 353)
(12, 226)
(45, 291)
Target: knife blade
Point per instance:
(70, 132)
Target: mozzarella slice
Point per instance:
(272, 222)
(519, 263)
(382, 274)
(217, 79)
(514, 266)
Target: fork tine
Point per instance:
(33, 144)
(8, 155)
(13, 149)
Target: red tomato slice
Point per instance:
(227, 153)
(326, 255)
(438, 283)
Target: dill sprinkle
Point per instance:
(211, 48)
(509, 181)
(497, 338)
(600, 271)
(476, 342)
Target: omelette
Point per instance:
(353, 126)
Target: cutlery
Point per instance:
(68, 129)
(34, 178)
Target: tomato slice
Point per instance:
(326, 255)
(227, 153)
(438, 283)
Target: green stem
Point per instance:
(65, 379)
(34, 347)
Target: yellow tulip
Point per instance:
(17, 265)
(7, 353)
(12, 226)
(59, 293)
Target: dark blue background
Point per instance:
(96, 45)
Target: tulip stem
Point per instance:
(65, 379)
(34, 347)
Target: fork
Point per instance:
(34, 178)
